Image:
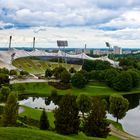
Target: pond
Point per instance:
(130, 123)
(39, 103)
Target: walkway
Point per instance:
(122, 135)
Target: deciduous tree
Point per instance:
(118, 106)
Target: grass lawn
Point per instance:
(36, 113)
(12, 133)
(92, 89)
(43, 135)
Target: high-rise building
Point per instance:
(117, 50)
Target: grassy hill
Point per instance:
(13, 133)
(39, 66)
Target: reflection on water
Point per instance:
(131, 122)
(38, 103)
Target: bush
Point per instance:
(78, 80)
(13, 72)
(29, 121)
(60, 85)
(123, 82)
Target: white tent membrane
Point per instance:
(5, 56)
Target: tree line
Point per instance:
(74, 114)
(120, 79)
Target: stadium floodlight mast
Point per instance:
(109, 46)
(33, 43)
(10, 42)
(62, 44)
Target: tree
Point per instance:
(135, 77)
(48, 73)
(78, 80)
(110, 75)
(84, 103)
(24, 73)
(85, 75)
(13, 72)
(4, 71)
(88, 65)
(125, 62)
(72, 70)
(57, 72)
(44, 123)
(123, 82)
(66, 116)
(118, 106)
(96, 124)
(4, 92)
(4, 79)
(10, 111)
(65, 76)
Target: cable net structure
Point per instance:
(6, 57)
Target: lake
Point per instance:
(130, 123)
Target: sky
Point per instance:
(91, 22)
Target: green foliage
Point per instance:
(110, 75)
(4, 79)
(1, 109)
(25, 73)
(4, 71)
(57, 71)
(84, 103)
(48, 73)
(135, 77)
(78, 80)
(10, 111)
(90, 65)
(65, 76)
(97, 75)
(44, 123)
(13, 72)
(72, 70)
(4, 93)
(96, 124)
(126, 62)
(29, 121)
(85, 75)
(118, 106)
(123, 82)
(66, 116)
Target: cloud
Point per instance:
(59, 13)
(102, 19)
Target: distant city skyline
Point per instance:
(91, 22)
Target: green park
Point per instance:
(92, 88)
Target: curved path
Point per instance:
(122, 135)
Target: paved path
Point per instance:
(122, 135)
(32, 80)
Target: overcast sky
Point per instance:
(79, 21)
